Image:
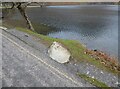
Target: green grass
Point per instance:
(93, 81)
(76, 49)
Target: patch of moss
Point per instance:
(93, 81)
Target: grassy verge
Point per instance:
(76, 49)
(93, 81)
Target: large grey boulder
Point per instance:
(59, 53)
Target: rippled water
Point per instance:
(94, 25)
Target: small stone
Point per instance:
(88, 72)
(4, 28)
(26, 35)
(92, 76)
(85, 53)
(101, 72)
(116, 83)
(114, 77)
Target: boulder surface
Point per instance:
(59, 53)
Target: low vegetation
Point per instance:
(93, 81)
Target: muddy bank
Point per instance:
(105, 59)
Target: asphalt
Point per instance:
(23, 67)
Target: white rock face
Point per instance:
(4, 28)
(58, 53)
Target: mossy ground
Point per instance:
(93, 81)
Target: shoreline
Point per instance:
(33, 6)
(38, 26)
(96, 60)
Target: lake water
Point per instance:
(96, 26)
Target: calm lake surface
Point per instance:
(96, 26)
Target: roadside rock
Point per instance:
(59, 53)
(3, 28)
(26, 35)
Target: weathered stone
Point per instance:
(26, 35)
(4, 28)
(59, 53)
(87, 72)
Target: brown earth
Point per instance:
(105, 59)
